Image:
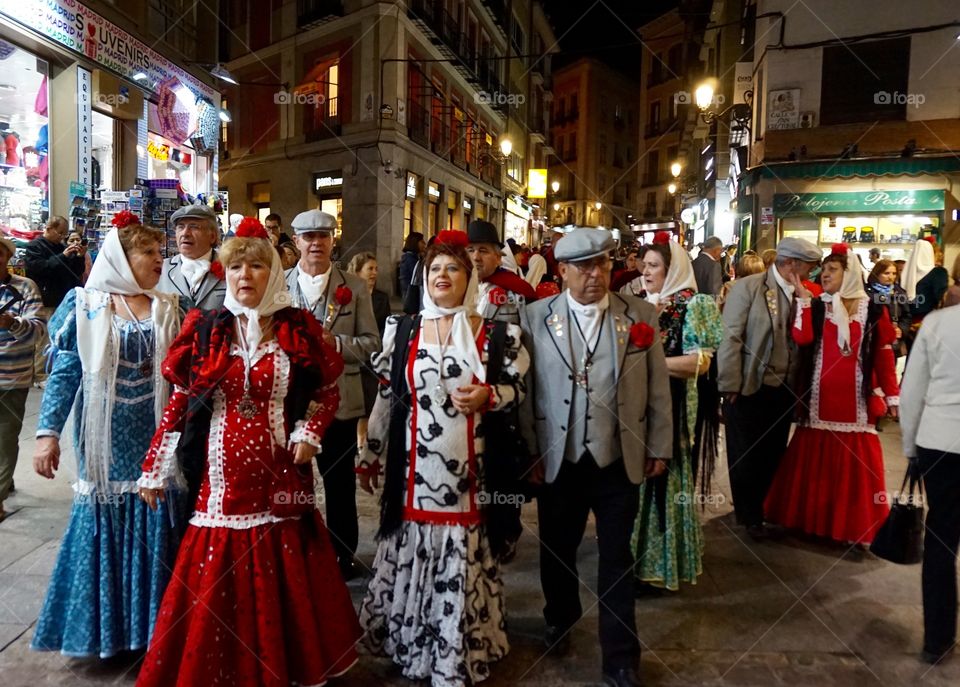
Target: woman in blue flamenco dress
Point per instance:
(116, 555)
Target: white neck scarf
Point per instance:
(462, 338)
(98, 346)
(679, 277)
(851, 288)
(276, 297)
(194, 270)
(589, 316)
(919, 264)
(312, 287)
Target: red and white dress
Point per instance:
(256, 598)
(830, 482)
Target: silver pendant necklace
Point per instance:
(247, 408)
(439, 394)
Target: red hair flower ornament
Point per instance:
(839, 249)
(662, 238)
(250, 227)
(641, 335)
(452, 237)
(124, 218)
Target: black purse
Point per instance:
(900, 538)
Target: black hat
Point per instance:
(481, 231)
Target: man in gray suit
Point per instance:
(342, 304)
(707, 269)
(757, 363)
(188, 274)
(598, 419)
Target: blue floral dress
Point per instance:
(116, 554)
(671, 551)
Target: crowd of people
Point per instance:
(593, 379)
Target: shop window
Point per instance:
(102, 173)
(850, 90)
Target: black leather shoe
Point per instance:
(624, 677)
(557, 640)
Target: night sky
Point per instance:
(591, 27)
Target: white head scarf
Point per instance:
(508, 260)
(461, 333)
(679, 276)
(536, 268)
(276, 297)
(98, 346)
(919, 264)
(851, 288)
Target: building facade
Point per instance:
(89, 90)
(594, 136)
(390, 117)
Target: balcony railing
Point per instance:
(323, 121)
(312, 11)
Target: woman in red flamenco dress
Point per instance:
(256, 596)
(830, 482)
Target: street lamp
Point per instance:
(598, 205)
(555, 185)
(506, 146)
(671, 188)
(741, 112)
(676, 168)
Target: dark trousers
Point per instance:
(757, 429)
(562, 509)
(12, 405)
(941, 479)
(336, 463)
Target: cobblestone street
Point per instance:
(794, 612)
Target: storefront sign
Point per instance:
(326, 180)
(784, 109)
(537, 183)
(433, 190)
(766, 215)
(517, 208)
(742, 81)
(84, 125)
(158, 151)
(467, 204)
(82, 30)
(411, 185)
(868, 201)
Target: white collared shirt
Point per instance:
(195, 269)
(311, 287)
(589, 317)
(785, 286)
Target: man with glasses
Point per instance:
(598, 417)
(342, 303)
(273, 223)
(757, 363)
(189, 274)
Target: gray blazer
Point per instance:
(355, 327)
(210, 295)
(643, 387)
(748, 334)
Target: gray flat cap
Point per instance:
(197, 211)
(713, 242)
(584, 243)
(313, 220)
(799, 249)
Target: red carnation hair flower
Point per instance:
(124, 218)
(839, 249)
(452, 237)
(931, 239)
(250, 227)
(662, 238)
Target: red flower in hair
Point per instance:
(662, 238)
(641, 335)
(452, 237)
(839, 249)
(931, 239)
(250, 227)
(124, 218)
(343, 295)
(545, 289)
(216, 269)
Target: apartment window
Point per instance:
(515, 167)
(859, 82)
(675, 61)
(517, 38)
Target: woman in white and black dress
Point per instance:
(435, 604)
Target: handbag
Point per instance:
(900, 538)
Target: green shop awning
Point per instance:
(852, 169)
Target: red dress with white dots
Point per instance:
(256, 596)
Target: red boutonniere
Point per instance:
(216, 269)
(498, 296)
(641, 335)
(343, 295)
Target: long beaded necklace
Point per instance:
(246, 407)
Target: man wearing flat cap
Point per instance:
(188, 274)
(342, 303)
(757, 363)
(598, 419)
(707, 269)
(502, 293)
